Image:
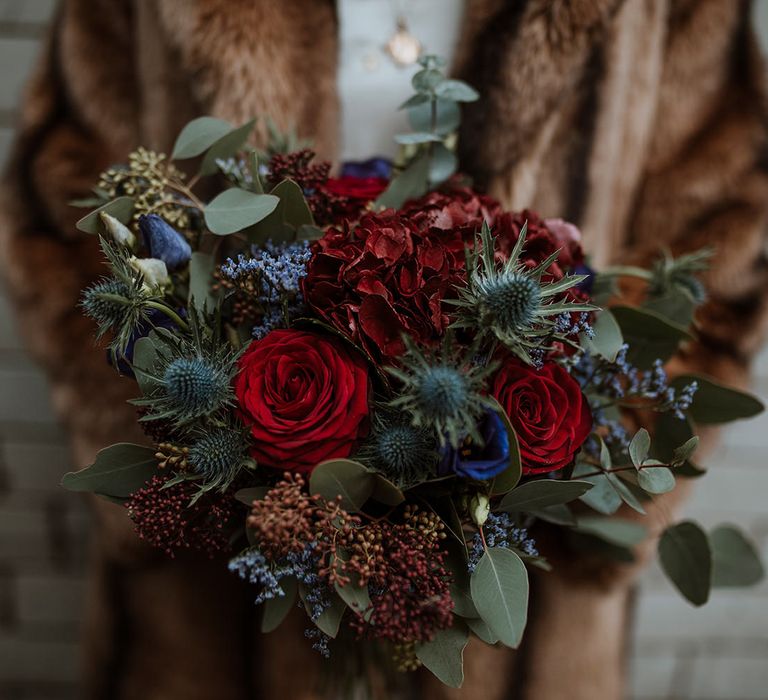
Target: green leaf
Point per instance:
(624, 533)
(235, 209)
(716, 403)
(198, 136)
(685, 451)
(559, 514)
(448, 117)
(607, 340)
(356, 597)
(456, 90)
(225, 147)
(649, 335)
(277, 609)
(251, 494)
(384, 491)
(293, 207)
(145, 353)
(444, 655)
(481, 630)
(687, 560)
(602, 497)
(508, 479)
(409, 184)
(119, 471)
(535, 495)
(678, 306)
(626, 493)
(345, 478)
(121, 208)
(735, 561)
(499, 588)
(639, 447)
(442, 164)
(201, 268)
(414, 101)
(330, 619)
(417, 137)
(426, 80)
(655, 479)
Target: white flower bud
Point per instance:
(117, 230)
(154, 271)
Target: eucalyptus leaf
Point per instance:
(677, 305)
(330, 619)
(145, 354)
(650, 335)
(481, 630)
(198, 136)
(447, 117)
(425, 81)
(686, 558)
(225, 147)
(626, 493)
(409, 184)
(119, 471)
(442, 164)
(201, 269)
(120, 208)
(499, 588)
(607, 339)
(602, 497)
(735, 560)
(235, 209)
(417, 137)
(624, 533)
(293, 207)
(639, 447)
(384, 491)
(355, 596)
(509, 478)
(656, 480)
(535, 495)
(716, 403)
(444, 655)
(456, 90)
(559, 514)
(251, 494)
(276, 609)
(345, 478)
(415, 100)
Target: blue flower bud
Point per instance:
(164, 242)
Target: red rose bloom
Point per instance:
(549, 412)
(304, 397)
(384, 278)
(360, 189)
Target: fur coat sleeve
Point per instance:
(641, 120)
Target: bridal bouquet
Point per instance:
(370, 392)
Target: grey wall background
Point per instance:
(719, 652)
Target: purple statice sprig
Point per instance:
(271, 277)
(620, 381)
(500, 531)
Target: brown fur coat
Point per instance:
(642, 120)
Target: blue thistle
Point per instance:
(107, 302)
(401, 452)
(509, 300)
(217, 456)
(442, 392)
(195, 386)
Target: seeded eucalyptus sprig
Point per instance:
(510, 302)
(435, 117)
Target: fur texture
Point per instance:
(642, 120)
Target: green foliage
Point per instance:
(234, 210)
(444, 655)
(639, 447)
(120, 208)
(201, 294)
(510, 477)
(330, 619)
(607, 339)
(434, 115)
(499, 586)
(735, 561)
(275, 610)
(649, 335)
(617, 531)
(686, 559)
(715, 403)
(225, 147)
(198, 136)
(535, 495)
(118, 471)
(345, 478)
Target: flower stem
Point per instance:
(170, 313)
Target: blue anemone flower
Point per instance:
(164, 242)
(373, 167)
(474, 461)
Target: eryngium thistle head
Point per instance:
(442, 391)
(195, 386)
(403, 453)
(217, 455)
(509, 300)
(101, 303)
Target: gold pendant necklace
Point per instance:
(403, 47)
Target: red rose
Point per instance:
(304, 397)
(384, 278)
(548, 411)
(362, 189)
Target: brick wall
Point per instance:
(716, 653)
(43, 530)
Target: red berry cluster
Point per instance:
(167, 519)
